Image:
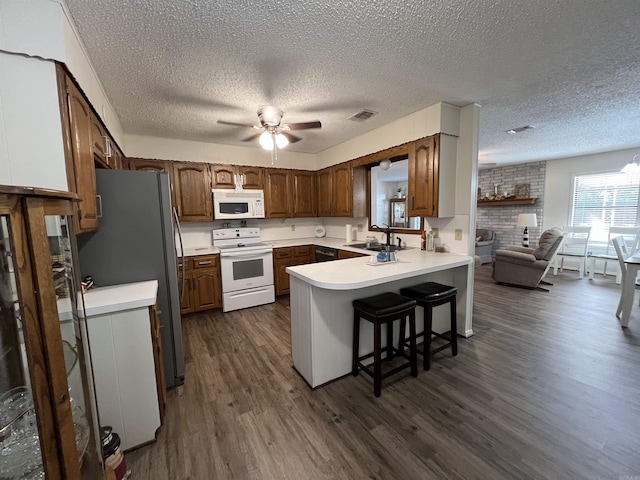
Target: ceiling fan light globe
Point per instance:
(266, 141)
(281, 141)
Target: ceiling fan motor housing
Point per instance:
(270, 116)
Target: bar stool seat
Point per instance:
(429, 295)
(384, 309)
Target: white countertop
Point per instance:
(354, 273)
(116, 298)
(205, 250)
(292, 242)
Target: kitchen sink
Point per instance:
(374, 248)
(357, 245)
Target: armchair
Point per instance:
(484, 244)
(525, 267)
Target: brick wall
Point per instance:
(503, 219)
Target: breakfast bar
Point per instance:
(321, 299)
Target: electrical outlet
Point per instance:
(293, 228)
(360, 227)
(458, 234)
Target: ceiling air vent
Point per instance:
(362, 115)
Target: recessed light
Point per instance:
(513, 131)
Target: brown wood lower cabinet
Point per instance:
(202, 284)
(287, 257)
(158, 360)
(342, 254)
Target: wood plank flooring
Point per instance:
(547, 388)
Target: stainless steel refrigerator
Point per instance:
(136, 242)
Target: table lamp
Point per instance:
(527, 220)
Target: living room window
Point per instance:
(604, 200)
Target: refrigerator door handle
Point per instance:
(181, 257)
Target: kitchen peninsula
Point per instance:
(322, 313)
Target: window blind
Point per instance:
(604, 200)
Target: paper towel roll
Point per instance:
(349, 233)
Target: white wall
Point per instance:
(559, 181)
(43, 28)
(31, 142)
(417, 125)
(190, 151)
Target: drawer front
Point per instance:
(279, 253)
(304, 251)
(205, 261)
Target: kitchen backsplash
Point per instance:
(199, 234)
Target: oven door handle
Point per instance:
(247, 255)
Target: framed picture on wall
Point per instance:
(523, 190)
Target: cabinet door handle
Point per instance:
(205, 263)
(179, 212)
(107, 147)
(99, 205)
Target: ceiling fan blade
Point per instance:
(304, 125)
(234, 124)
(251, 137)
(290, 137)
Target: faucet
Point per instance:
(387, 232)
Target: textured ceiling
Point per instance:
(571, 68)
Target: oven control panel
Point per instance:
(229, 233)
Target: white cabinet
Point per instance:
(124, 370)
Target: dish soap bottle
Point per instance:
(423, 240)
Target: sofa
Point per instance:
(484, 244)
(526, 267)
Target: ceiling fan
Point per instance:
(274, 134)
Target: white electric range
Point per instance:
(246, 265)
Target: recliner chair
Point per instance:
(526, 267)
(484, 244)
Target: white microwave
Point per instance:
(230, 204)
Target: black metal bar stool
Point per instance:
(429, 295)
(381, 310)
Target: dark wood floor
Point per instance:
(547, 388)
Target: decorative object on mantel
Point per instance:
(527, 220)
(522, 190)
(483, 202)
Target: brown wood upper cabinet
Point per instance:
(101, 144)
(289, 193)
(431, 191)
(192, 190)
(77, 129)
(304, 193)
(341, 191)
(146, 165)
(119, 160)
(223, 176)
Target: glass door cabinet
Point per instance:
(48, 419)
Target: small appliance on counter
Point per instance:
(246, 267)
